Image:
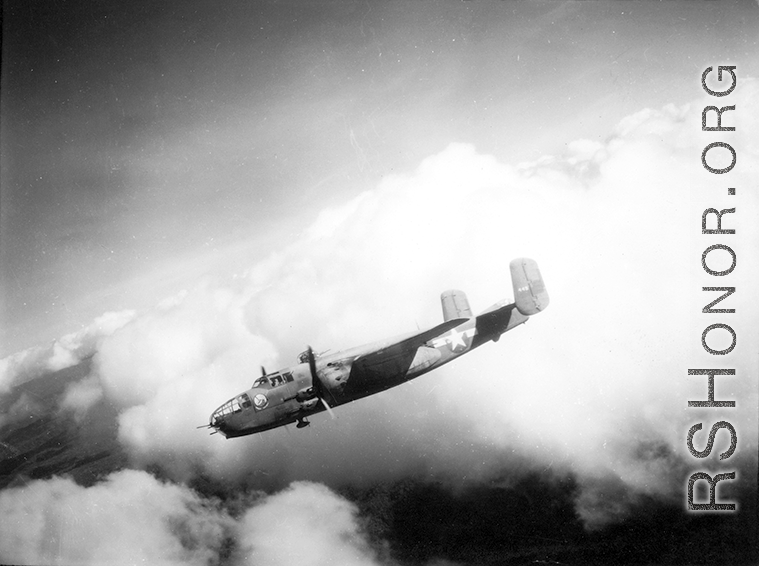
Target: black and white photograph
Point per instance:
(379, 283)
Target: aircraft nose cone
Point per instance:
(217, 421)
(220, 425)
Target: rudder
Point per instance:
(530, 293)
(455, 305)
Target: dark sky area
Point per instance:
(145, 145)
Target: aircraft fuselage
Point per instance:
(318, 383)
(282, 397)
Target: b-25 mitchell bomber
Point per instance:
(320, 382)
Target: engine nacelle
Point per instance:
(307, 398)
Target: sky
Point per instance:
(189, 192)
(146, 147)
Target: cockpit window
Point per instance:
(233, 406)
(274, 380)
(244, 401)
(280, 379)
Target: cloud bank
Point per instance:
(128, 518)
(132, 517)
(272, 532)
(62, 353)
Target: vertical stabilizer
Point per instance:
(530, 293)
(455, 305)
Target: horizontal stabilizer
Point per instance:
(530, 293)
(455, 305)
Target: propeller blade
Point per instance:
(329, 409)
(317, 382)
(311, 361)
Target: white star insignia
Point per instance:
(455, 339)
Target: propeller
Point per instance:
(317, 382)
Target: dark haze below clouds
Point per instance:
(534, 522)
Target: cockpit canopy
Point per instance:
(243, 401)
(234, 405)
(273, 380)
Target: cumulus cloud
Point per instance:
(62, 353)
(304, 524)
(169, 369)
(80, 396)
(131, 517)
(596, 386)
(24, 407)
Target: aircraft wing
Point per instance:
(389, 364)
(495, 320)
